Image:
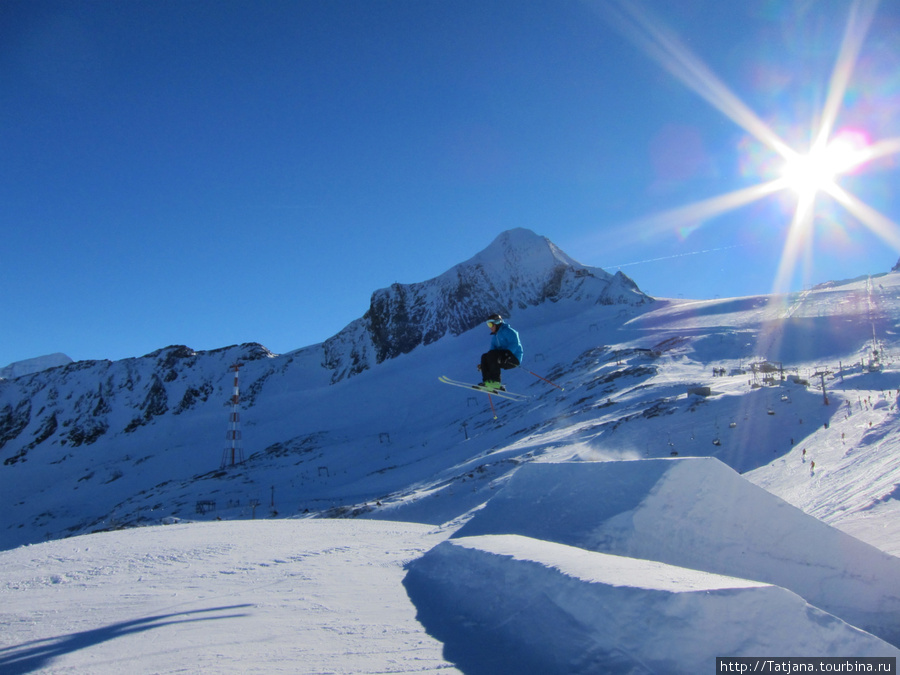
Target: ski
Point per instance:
(509, 395)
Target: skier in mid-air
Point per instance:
(505, 353)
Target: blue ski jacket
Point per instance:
(507, 338)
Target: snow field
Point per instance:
(303, 596)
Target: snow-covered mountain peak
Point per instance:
(519, 269)
(519, 249)
(35, 365)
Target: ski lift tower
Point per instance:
(235, 451)
(821, 374)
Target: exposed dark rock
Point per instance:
(518, 270)
(14, 420)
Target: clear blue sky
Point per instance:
(209, 172)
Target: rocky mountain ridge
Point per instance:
(518, 270)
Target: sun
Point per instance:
(818, 170)
(808, 174)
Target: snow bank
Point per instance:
(508, 603)
(700, 514)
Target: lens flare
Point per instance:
(808, 174)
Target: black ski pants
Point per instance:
(493, 361)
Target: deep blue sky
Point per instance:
(213, 172)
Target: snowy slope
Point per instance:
(263, 597)
(103, 445)
(312, 596)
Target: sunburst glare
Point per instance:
(808, 173)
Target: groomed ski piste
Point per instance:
(674, 504)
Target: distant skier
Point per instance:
(505, 353)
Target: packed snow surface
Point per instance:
(511, 604)
(305, 596)
(700, 514)
(368, 596)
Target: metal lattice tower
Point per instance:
(234, 451)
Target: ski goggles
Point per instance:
(491, 324)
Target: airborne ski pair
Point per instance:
(500, 393)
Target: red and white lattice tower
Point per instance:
(234, 453)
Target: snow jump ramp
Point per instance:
(697, 513)
(513, 604)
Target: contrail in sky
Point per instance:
(669, 257)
